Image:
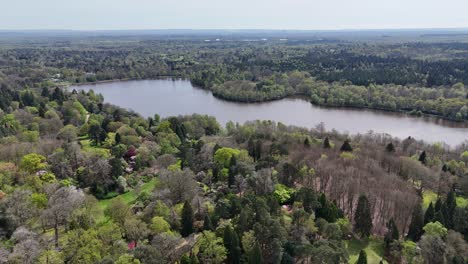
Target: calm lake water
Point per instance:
(179, 97)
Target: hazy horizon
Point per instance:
(91, 15)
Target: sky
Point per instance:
(232, 14)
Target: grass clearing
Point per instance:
(131, 196)
(374, 248)
(88, 147)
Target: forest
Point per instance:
(84, 181)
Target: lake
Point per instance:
(169, 97)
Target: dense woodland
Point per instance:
(83, 181)
(424, 77)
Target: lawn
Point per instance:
(87, 147)
(373, 247)
(131, 196)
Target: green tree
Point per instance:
(430, 214)
(33, 162)
(116, 167)
(422, 157)
(207, 224)
(392, 233)
(211, 249)
(255, 256)
(362, 257)
(187, 220)
(390, 147)
(346, 146)
(159, 225)
(363, 217)
(435, 229)
(415, 230)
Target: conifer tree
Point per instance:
(187, 220)
(392, 233)
(422, 157)
(390, 147)
(326, 143)
(363, 217)
(429, 215)
(416, 226)
(207, 224)
(362, 257)
(255, 256)
(346, 146)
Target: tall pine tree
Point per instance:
(429, 215)
(255, 256)
(326, 143)
(187, 220)
(363, 217)
(362, 257)
(416, 226)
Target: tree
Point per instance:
(450, 206)
(392, 233)
(255, 256)
(181, 184)
(390, 147)
(326, 143)
(159, 225)
(435, 229)
(211, 249)
(430, 214)
(118, 138)
(187, 220)
(60, 206)
(116, 167)
(82, 246)
(135, 229)
(433, 249)
(415, 230)
(33, 162)
(346, 146)
(207, 224)
(363, 217)
(422, 157)
(362, 257)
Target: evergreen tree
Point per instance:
(207, 224)
(438, 205)
(235, 252)
(416, 226)
(116, 167)
(45, 92)
(307, 142)
(390, 148)
(255, 256)
(232, 171)
(118, 138)
(445, 168)
(429, 215)
(227, 241)
(392, 233)
(287, 259)
(187, 220)
(363, 217)
(451, 205)
(362, 257)
(326, 143)
(422, 157)
(346, 146)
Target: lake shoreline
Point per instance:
(293, 96)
